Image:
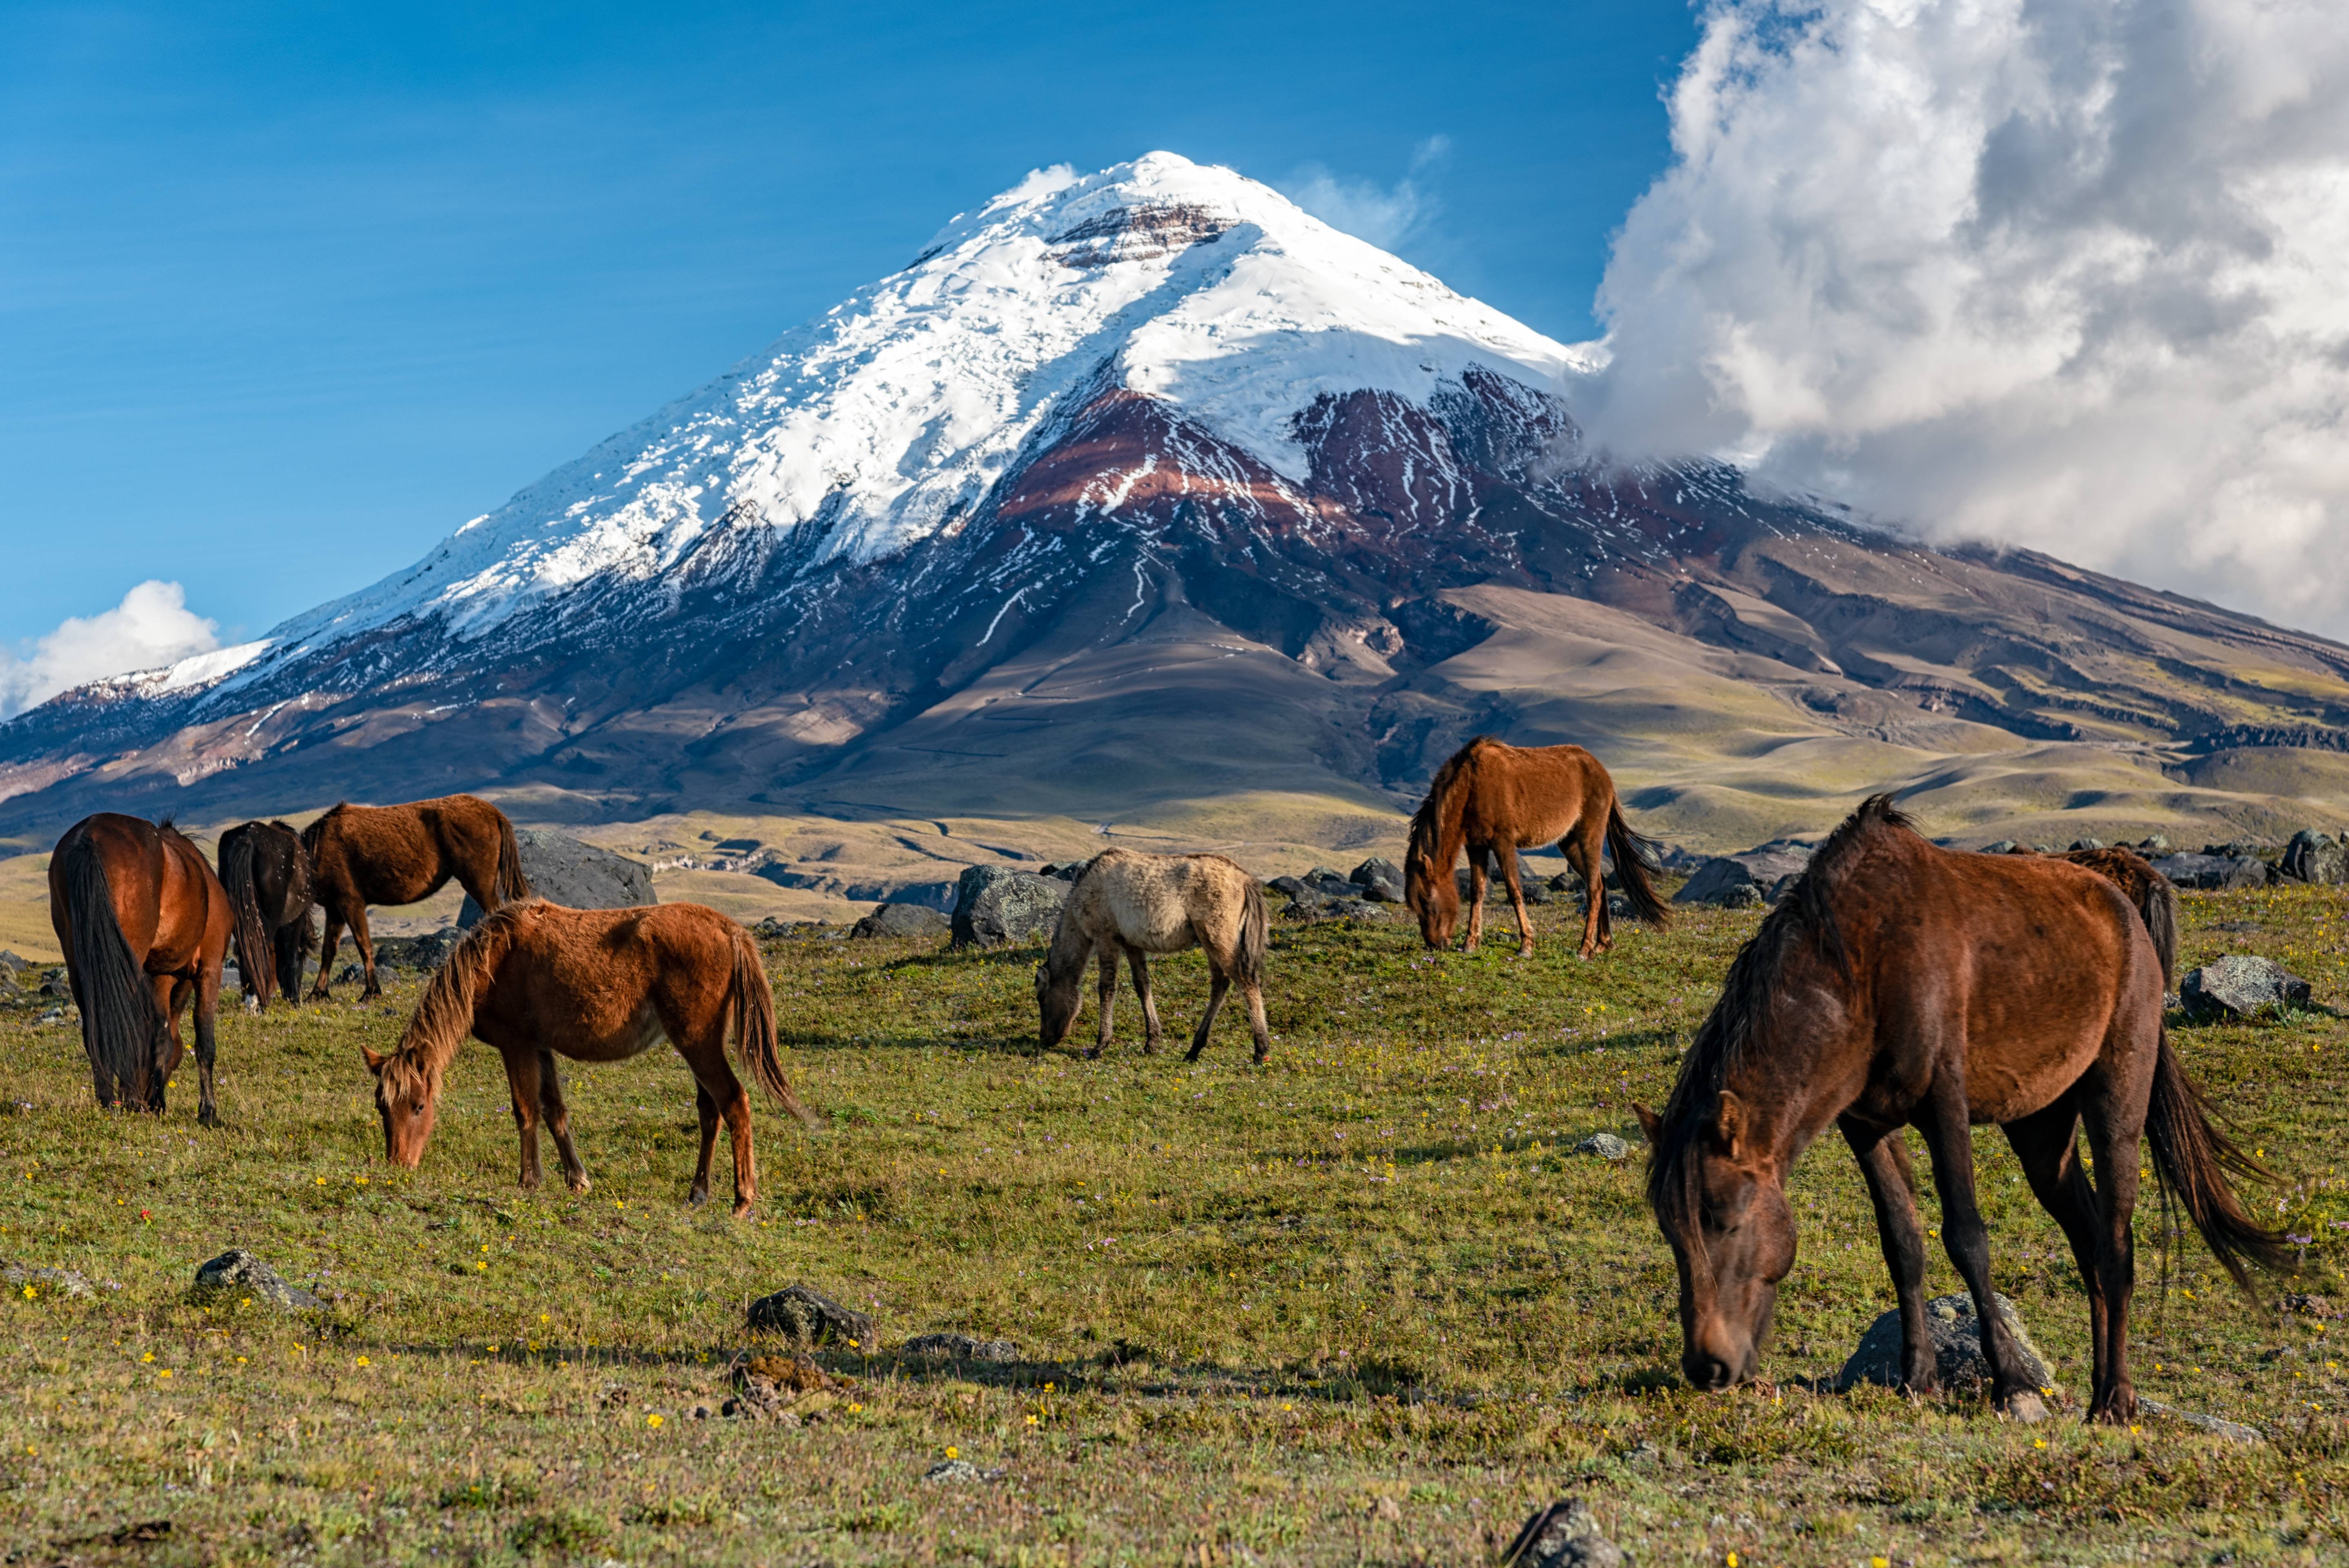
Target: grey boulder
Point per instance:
(2211, 873)
(902, 920)
(1563, 1535)
(805, 1316)
(239, 1271)
(1716, 881)
(563, 871)
(1330, 883)
(998, 907)
(1381, 880)
(1605, 1145)
(1958, 1360)
(2314, 857)
(2241, 986)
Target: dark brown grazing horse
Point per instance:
(1497, 799)
(361, 855)
(144, 924)
(534, 979)
(2153, 895)
(267, 874)
(1902, 985)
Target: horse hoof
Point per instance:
(742, 1208)
(208, 1118)
(697, 1198)
(1092, 1054)
(2026, 1406)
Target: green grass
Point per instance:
(1360, 1305)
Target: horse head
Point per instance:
(1719, 1198)
(1431, 895)
(407, 1098)
(1057, 1000)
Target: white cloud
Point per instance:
(151, 627)
(1385, 215)
(2068, 273)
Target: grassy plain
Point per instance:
(1362, 1305)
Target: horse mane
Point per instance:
(1805, 918)
(1427, 822)
(444, 1013)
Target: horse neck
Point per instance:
(1064, 960)
(1794, 1079)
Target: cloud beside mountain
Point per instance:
(2060, 274)
(151, 627)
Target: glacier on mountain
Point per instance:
(892, 416)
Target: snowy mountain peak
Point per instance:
(892, 416)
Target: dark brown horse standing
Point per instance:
(361, 855)
(1902, 984)
(144, 924)
(596, 985)
(267, 874)
(1497, 799)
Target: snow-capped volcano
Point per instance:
(893, 416)
(1147, 484)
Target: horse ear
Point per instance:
(1650, 1124)
(1730, 1123)
(375, 1063)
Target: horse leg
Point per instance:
(698, 1193)
(1257, 1025)
(1476, 881)
(2047, 1144)
(1140, 965)
(1949, 1137)
(1220, 983)
(558, 1121)
(1883, 1159)
(734, 1103)
(1108, 953)
(360, 940)
(208, 985)
(170, 994)
(2114, 1130)
(1515, 879)
(522, 1081)
(327, 945)
(1582, 850)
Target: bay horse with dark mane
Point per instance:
(1497, 800)
(144, 924)
(1901, 984)
(535, 980)
(361, 855)
(267, 874)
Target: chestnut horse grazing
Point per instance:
(144, 924)
(1125, 902)
(361, 855)
(267, 874)
(1497, 799)
(1902, 985)
(534, 979)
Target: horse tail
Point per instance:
(238, 876)
(2192, 1160)
(1432, 829)
(1256, 935)
(121, 1026)
(511, 881)
(752, 1004)
(1635, 855)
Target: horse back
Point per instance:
(1160, 904)
(584, 982)
(1528, 795)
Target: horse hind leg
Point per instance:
(557, 1117)
(1883, 1159)
(1949, 1137)
(1582, 850)
(171, 996)
(1220, 983)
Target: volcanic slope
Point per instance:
(1146, 496)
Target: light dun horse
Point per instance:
(596, 985)
(1899, 984)
(1497, 799)
(1128, 903)
(361, 855)
(144, 925)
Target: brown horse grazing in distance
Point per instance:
(267, 874)
(1129, 903)
(144, 924)
(361, 855)
(2153, 895)
(534, 979)
(1902, 985)
(1497, 799)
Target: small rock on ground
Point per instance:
(1958, 1360)
(805, 1316)
(961, 1347)
(1563, 1535)
(64, 1281)
(2241, 986)
(1605, 1145)
(902, 920)
(957, 1472)
(238, 1270)
(2233, 1432)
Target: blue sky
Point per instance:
(287, 292)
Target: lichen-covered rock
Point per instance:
(805, 1316)
(1563, 1535)
(1381, 880)
(239, 1271)
(1605, 1145)
(999, 907)
(1330, 882)
(2314, 857)
(902, 920)
(1957, 1362)
(64, 1282)
(961, 1348)
(563, 871)
(2241, 986)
